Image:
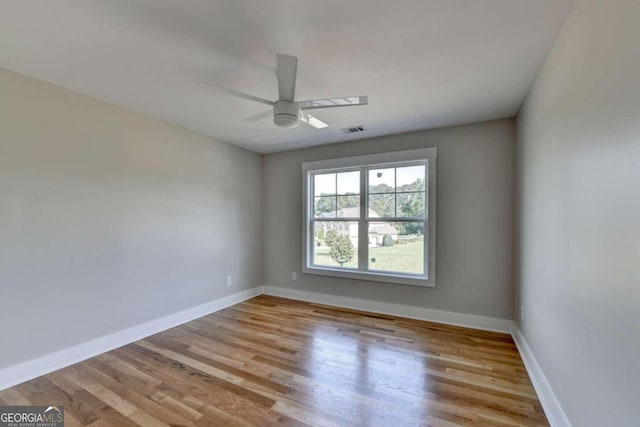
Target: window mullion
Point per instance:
(363, 233)
(395, 193)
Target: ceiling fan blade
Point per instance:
(286, 73)
(238, 94)
(260, 116)
(312, 121)
(349, 101)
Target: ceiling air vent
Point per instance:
(354, 129)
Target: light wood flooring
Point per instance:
(272, 361)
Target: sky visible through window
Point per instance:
(349, 182)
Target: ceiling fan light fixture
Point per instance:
(286, 114)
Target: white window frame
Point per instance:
(392, 159)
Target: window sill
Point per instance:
(371, 276)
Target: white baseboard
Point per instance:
(550, 404)
(31, 369)
(411, 312)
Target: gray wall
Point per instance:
(109, 218)
(474, 260)
(579, 204)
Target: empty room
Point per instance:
(320, 213)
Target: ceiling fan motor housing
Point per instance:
(286, 114)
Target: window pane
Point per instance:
(325, 207)
(335, 244)
(381, 205)
(324, 184)
(396, 247)
(349, 206)
(410, 178)
(349, 183)
(410, 204)
(382, 180)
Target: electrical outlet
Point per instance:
(522, 312)
(294, 276)
(228, 280)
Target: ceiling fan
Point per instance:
(287, 112)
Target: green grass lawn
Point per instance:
(404, 258)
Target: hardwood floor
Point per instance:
(272, 361)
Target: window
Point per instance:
(371, 217)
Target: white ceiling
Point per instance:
(423, 63)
